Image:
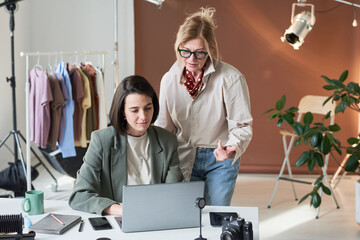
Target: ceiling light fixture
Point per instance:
(301, 25)
(354, 23)
(156, 2)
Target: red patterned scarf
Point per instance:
(192, 85)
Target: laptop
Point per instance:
(160, 206)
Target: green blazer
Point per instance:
(103, 174)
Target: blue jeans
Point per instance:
(219, 177)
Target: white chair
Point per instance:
(313, 104)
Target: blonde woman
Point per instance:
(206, 103)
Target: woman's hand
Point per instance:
(115, 209)
(224, 152)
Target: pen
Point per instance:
(81, 225)
(29, 223)
(57, 219)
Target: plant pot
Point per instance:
(357, 201)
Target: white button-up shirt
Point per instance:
(220, 111)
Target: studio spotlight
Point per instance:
(301, 25)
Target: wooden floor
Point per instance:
(285, 220)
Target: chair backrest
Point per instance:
(314, 104)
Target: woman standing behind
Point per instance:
(205, 102)
(129, 152)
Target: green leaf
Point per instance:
(338, 150)
(280, 121)
(298, 141)
(326, 78)
(354, 86)
(272, 109)
(336, 97)
(318, 180)
(340, 107)
(288, 118)
(327, 115)
(352, 163)
(308, 118)
(319, 159)
(316, 200)
(329, 87)
(325, 189)
(273, 115)
(298, 129)
(302, 159)
(343, 76)
(334, 128)
(311, 165)
(328, 99)
(292, 109)
(309, 132)
(304, 198)
(314, 140)
(352, 140)
(280, 103)
(325, 146)
(338, 83)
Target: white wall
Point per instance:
(61, 25)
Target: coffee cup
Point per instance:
(33, 203)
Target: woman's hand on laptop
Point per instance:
(115, 209)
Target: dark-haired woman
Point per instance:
(131, 151)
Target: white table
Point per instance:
(13, 206)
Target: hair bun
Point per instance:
(205, 14)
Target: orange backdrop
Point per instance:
(248, 35)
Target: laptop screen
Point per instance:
(161, 206)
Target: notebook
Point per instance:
(161, 206)
(49, 224)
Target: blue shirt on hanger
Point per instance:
(67, 147)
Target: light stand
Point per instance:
(11, 6)
(200, 203)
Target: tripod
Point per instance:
(11, 7)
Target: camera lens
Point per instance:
(226, 236)
(229, 234)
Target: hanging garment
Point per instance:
(67, 148)
(78, 95)
(89, 68)
(103, 120)
(56, 107)
(90, 113)
(65, 93)
(85, 104)
(39, 106)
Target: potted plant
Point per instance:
(320, 137)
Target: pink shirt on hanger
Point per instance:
(39, 107)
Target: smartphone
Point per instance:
(216, 218)
(100, 223)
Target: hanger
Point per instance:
(49, 65)
(55, 63)
(38, 66)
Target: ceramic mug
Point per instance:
(33, 203)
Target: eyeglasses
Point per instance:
(200, 55)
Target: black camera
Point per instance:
(236, 229)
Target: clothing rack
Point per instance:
(27, 90)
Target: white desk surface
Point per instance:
(13, 206)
